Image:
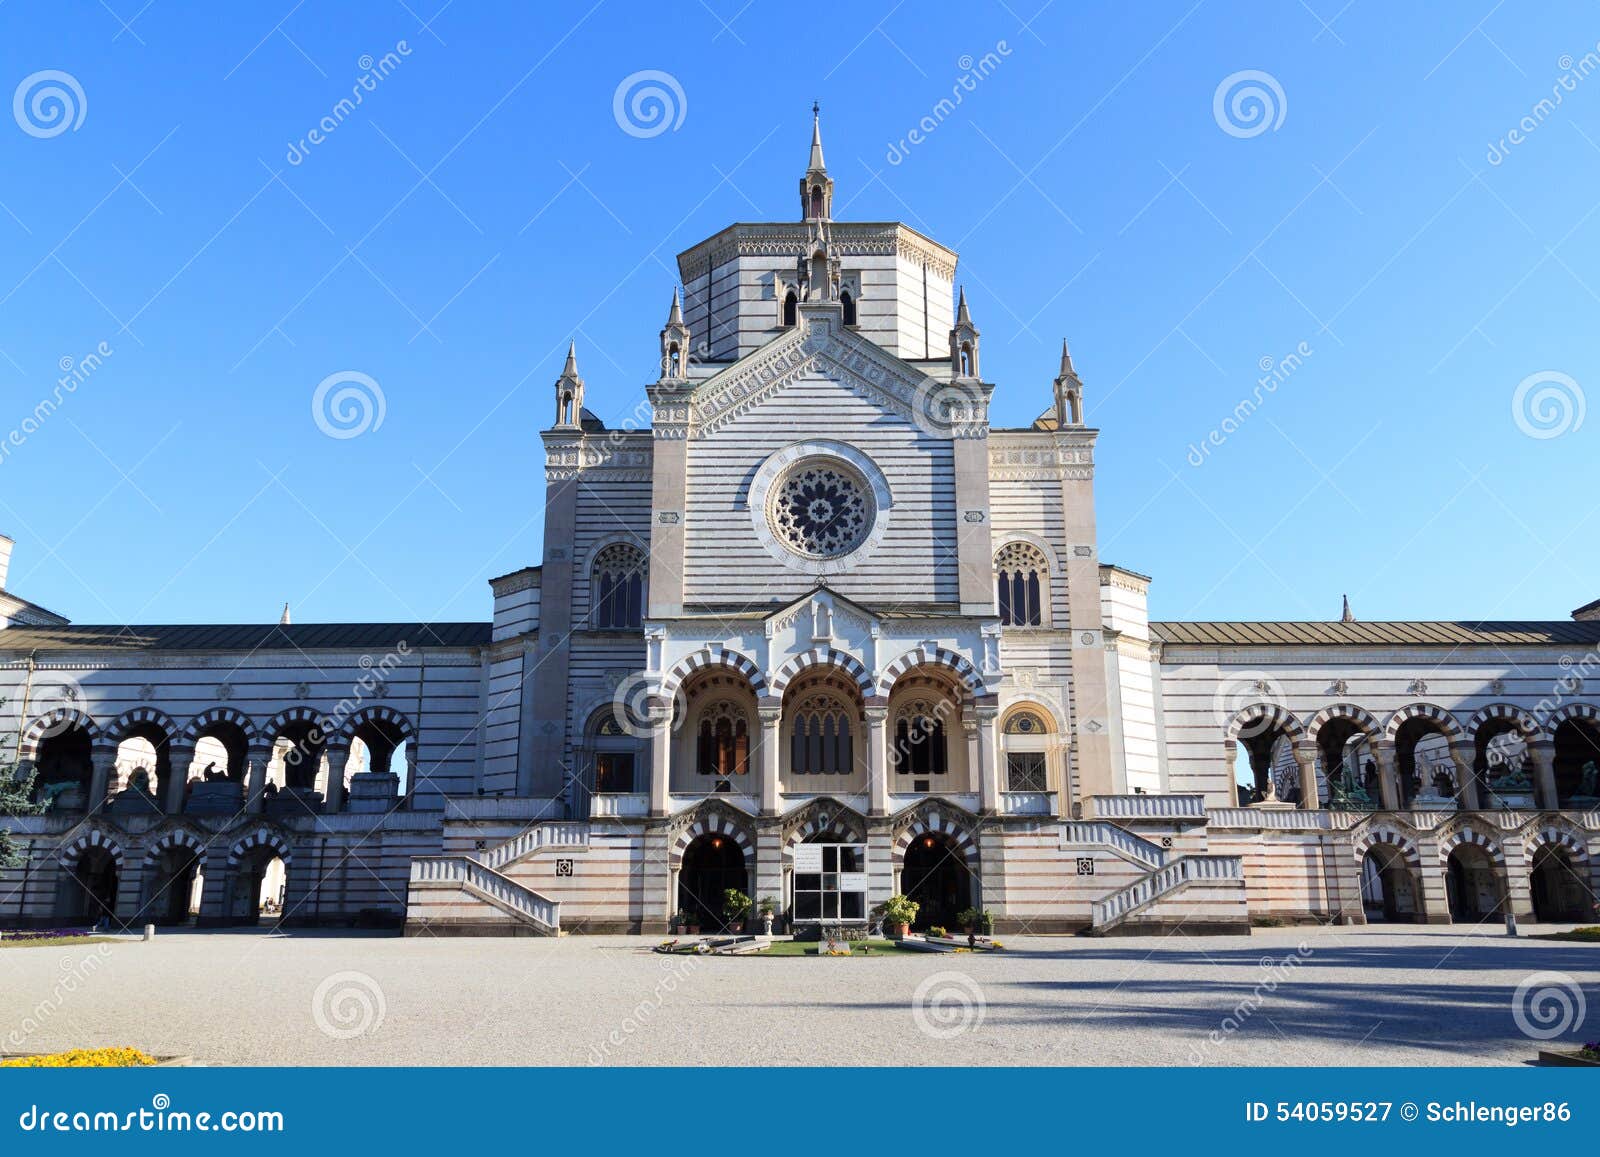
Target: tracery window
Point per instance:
(724, 741)
(821, 509)
(616, 583)
(919, 739)
(820, 743)
(1022, 579)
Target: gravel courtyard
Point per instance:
(1311, 996)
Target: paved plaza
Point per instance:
(1313, 996)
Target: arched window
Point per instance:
(816, 200)
(789, 306)
(615, 754)
(674, 361)
(1027, 742)
(1022, 580)
(849, 308)
(820, 743)
(919, 740)
(724, 741)
(966, 359)
(616, 588)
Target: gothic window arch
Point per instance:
(820, 740)
(791, 305)
(615, 754)
(723, 742)
(921, 745)
(1022, 585)
(616, 585)
(848, 301)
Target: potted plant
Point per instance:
(937, 931)
(898, 913)
(977, 922)
(768, 908)
(735, 906)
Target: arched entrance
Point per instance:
(258, 887)
(1577, 762)
(1472, 884)
(175, 883)
(711, 865)
(1390, 893)
(91, 890)
(936, 876)
(1558, 882)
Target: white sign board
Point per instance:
(808, 858)
(852, 881)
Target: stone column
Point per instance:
(333, 796)
(1388, 773)
(969, 730)
(103, 764)
(1519, 889)
(1305, 758)
(988, 759)
(178, 761)
(260, 759)
(660, 755)
(771, 719)
(878, 759)
(1543, 754)
(1466, 778)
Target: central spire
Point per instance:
(816, 187)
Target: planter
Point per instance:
(899, 931)
(1565, 1061)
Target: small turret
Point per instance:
(675, 344)
(816, 187)
(1346, 616)
(1069, 392)
(964, 343)
(569, 393)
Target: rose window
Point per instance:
(821, 510)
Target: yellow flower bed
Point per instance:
(112, 1058)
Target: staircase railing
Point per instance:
(1118, 840)
(539, 911)
(1119, 905)
(564, 834)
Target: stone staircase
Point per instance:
(1223, 875)
(1117, 840)
(472, 895)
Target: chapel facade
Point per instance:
(817, 633)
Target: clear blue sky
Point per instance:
(1086, 183)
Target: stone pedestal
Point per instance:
(215, 797)
(294, 801)
(132, 801)
(374, 791)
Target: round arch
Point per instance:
(139, 718)
(1471, 837)
(177, 838)
(1359, 717)
(1389, 837)
(214, 717)
(712, 823)
(285, 719)
(1495, 713)
(822, 657)
(70, 854)
(1445, 722)
(824, 817)
(710, 657)
(930, 654)
(52, 723)
(1262, 717)
(381, 716)
(260, 838)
